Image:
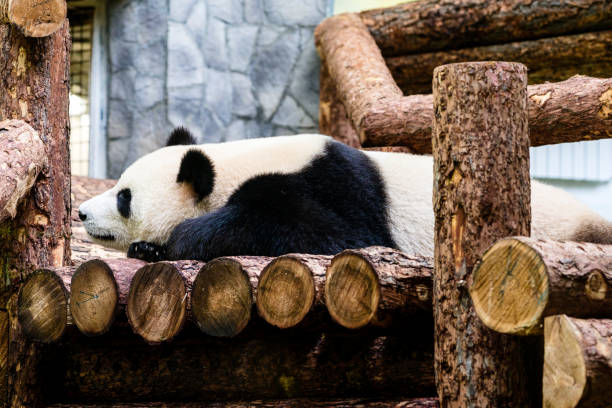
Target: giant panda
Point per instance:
(304, 193)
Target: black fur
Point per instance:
(146, 251)
(197, 170)
(180, 136)
(124, 201)
(336, 202)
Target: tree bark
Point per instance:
(291, 403)
(34, 18)
(519, 281)
(202, 368)
(548, 59)
(34, 88)
(479, 197)
(577, 362)
(23, 156)
(432, 25)
(372, 285)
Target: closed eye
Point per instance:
(124, 199)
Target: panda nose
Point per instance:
(82, 216)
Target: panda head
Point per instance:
(152, 196)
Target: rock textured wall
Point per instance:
(227, 69)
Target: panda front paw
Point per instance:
(146, 251)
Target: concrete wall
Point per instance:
(226, 69)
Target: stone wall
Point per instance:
(226, 69)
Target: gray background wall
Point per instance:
(226, 69)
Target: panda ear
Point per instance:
(180, 136)
(197, 169)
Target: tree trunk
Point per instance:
(577, 362)
(203, 368)
(479, 197)
(579, 108)
(34, 18)
(431, 25)
(519, 281)
(23, 156)
(548, 59)
(292, 403)
(373, 285)
(34, 88)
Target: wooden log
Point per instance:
(577, 362)
(431, 25)
(204, 368)
(22, 157)
(291, 403)
(519, 281)
(354, 62)
(42, 306)
(34, 88)
(368, 286)
(480, 107)
(34, 18)
(222, 297)
(290, 287)
(333, 120)
(548, 59)
(157, 301)
(94, 297)
(579, 108)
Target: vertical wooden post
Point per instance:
(33, 87)
(481, 194)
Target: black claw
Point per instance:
(146, 251)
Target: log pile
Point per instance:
(373, 59)
(377, 287)
(526, 286)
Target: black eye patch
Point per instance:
(124, 198)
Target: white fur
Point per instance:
(159, 203)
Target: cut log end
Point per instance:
(41, 305)
(94, 297)
(352, 290)
(221, 298)
(510, 288)
(33, 17)
(156, 302)
(285, 292)
(564, 379)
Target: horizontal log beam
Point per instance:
(430, 25)
(519, 281)
(376, 286)
(34, 18)
(548, 59)
(579, 108)
(577, 362)
(22, 158)
(203, 368)
(289, 403)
